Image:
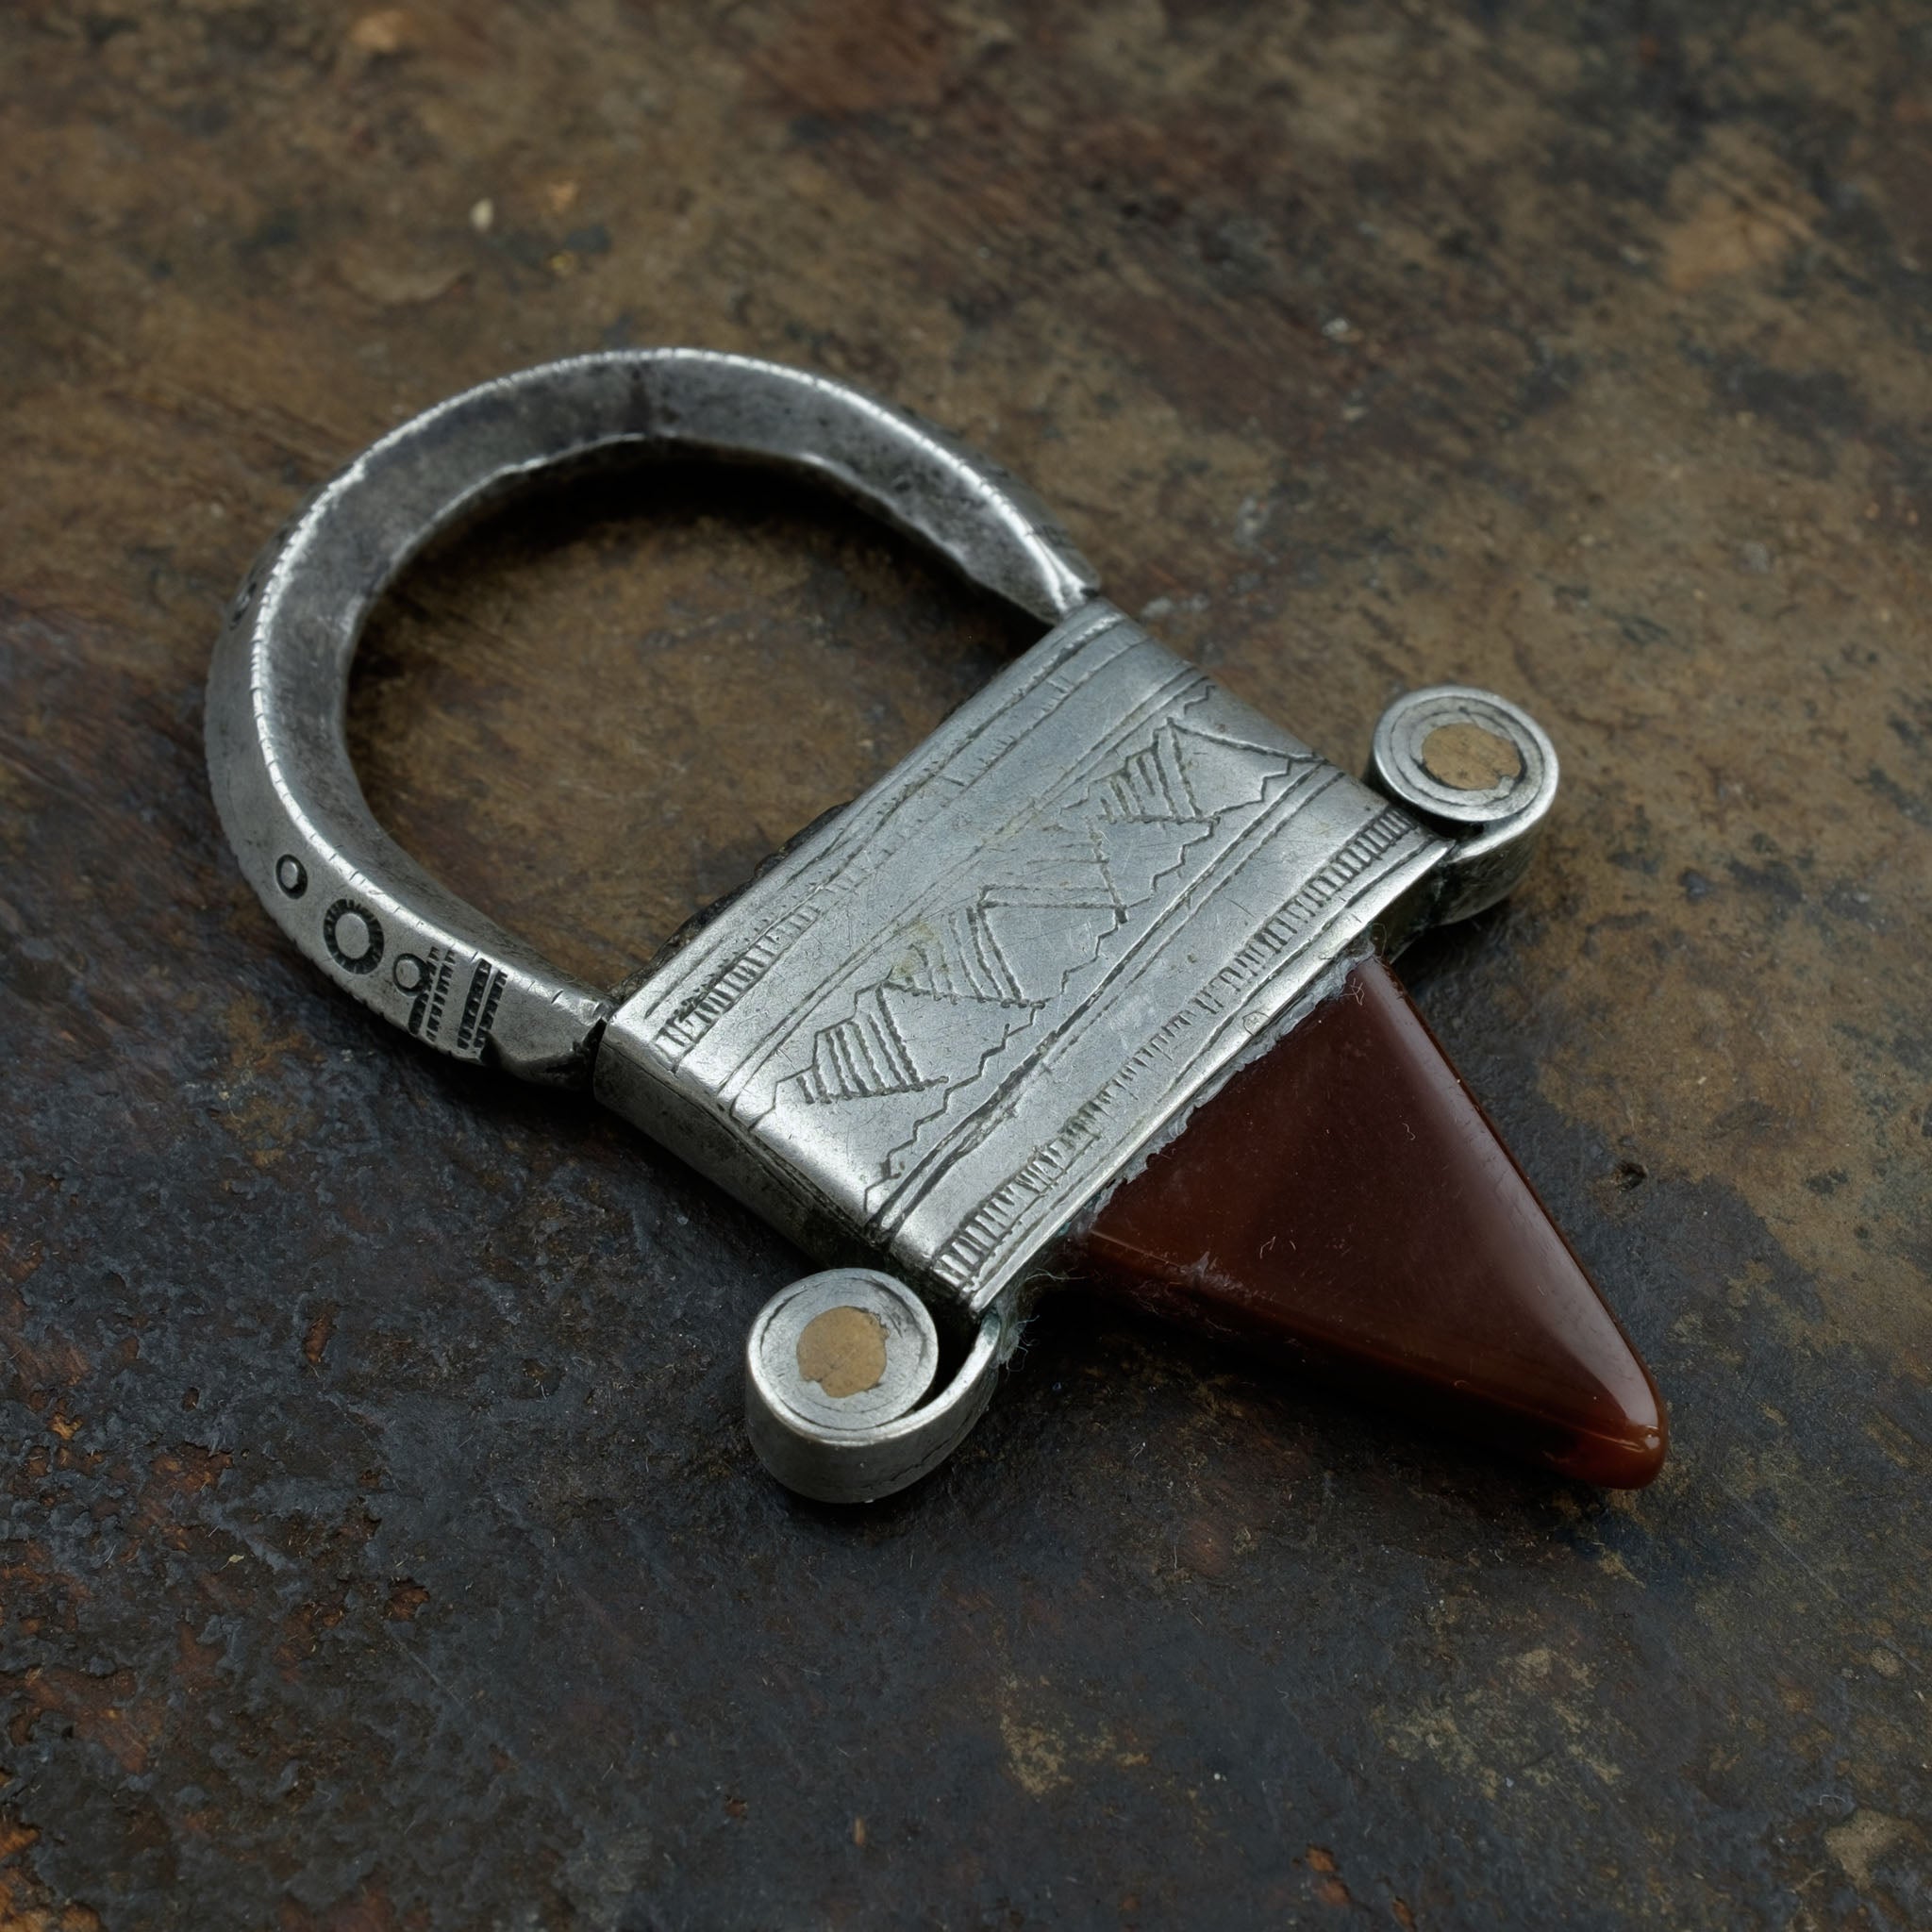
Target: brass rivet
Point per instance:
(1470, 757)
(843, 1351)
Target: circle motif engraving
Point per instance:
(353, 934)
(292, 875)
(407, 971)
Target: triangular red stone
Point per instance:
(1345, 1199)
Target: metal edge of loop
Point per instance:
(358, 905)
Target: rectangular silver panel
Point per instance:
(958, 1012)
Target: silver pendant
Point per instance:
(930, 1039)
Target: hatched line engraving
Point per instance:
(490, 1006)
(479, 1005)
(860, 847)
(425, 1011)
(695, 1016)
(921, 1164)
(964, 1258)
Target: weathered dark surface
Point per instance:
(382, 1547)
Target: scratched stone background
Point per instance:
(381, 1545)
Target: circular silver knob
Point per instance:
(1478, 767)
(845, 1350)
(839, 1378)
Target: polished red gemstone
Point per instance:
(1344, 1199)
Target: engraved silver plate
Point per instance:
(947, 1022)
(956, 1014)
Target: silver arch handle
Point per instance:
(351, 900)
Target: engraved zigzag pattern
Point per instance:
(964, 1257)
(1071, 887)
(896, 1029)
(1153, 784)
(863, 1055)
(960, 958)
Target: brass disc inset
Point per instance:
(850, 1350)
(1470, 757)
(843, 1351)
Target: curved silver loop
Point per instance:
(343, 890)
(898, 1429)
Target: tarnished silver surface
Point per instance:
(944, 1024)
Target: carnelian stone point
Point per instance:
(1343, 1200)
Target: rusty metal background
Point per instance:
(382, 1544)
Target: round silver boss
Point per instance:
(1478, 768)
(848, 1349)
(1464, 756)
